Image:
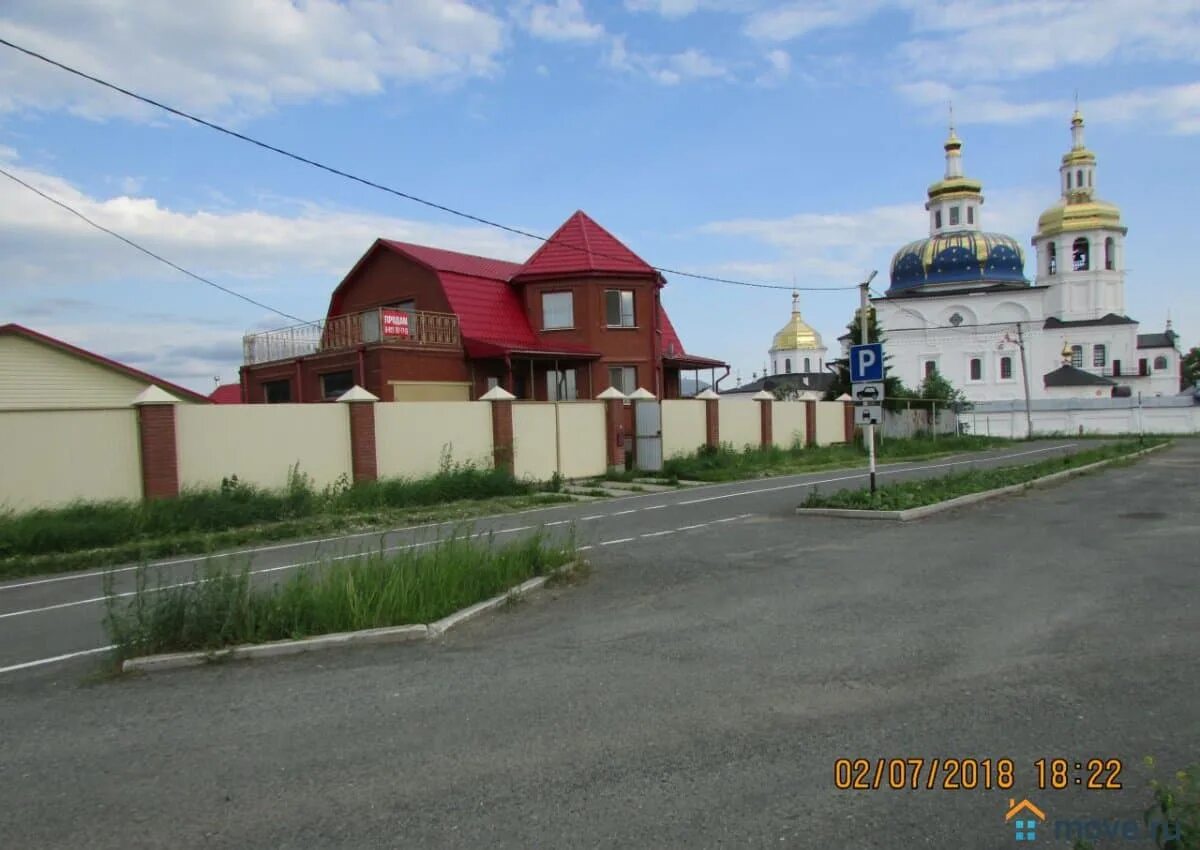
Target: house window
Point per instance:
(334, 384)
(1099, 355)
(623, 378)
(408, 305)
(937, 220)
(930, 368)
(970, 215)
(1077, 356)
(787, 366)
(953, 216)
(618, 308)
(1005, 368)
(1079, 255)
(558, 310)
(560, 385)
(1051, 258)
(277, 392)
(1160, 363)
(976, 369)
(1110, 254)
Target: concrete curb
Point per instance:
(970, 498)
(365, 637)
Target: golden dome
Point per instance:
(796, 333)
(1070, 217)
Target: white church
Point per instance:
(959, 301)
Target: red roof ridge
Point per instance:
(101, 360)
(582, 246)
(407, 245)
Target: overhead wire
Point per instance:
(389, 189)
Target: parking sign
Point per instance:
(866, 363)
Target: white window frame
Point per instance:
(971, 358)
(1012, 368)
(564, 379)
(570, 296)
(628, 378)
(626, 319)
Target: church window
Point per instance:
(787, 366)
(1068, 180)
(930, 368)
(1005, 368)
(937, 220)
(1079, 255)
(1079, 179)
(1077, 356)
(1110, 254)
(953, 216)
(976, 369)
(1089, 179)
(1052, 258)
(807, 365)
(1160, 363)
(970, 215)
(1143, 367)
(1099, 355)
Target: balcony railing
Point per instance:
(384, 326)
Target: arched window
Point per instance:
(1005, 368)
(1051, 258)
(1110, 253)
(807, 365)
(1160, 363)
(1079, 179)
(1080, 260)
(787, 366)
(937, 220)
(970, 215)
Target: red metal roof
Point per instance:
(581, 246)
(453, 261)
(101, 360)
(226, 394)
(672, 346)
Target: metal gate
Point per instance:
(648, 427)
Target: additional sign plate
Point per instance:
(866, 363)
(868, 414)
(395, 323)
(871, 393)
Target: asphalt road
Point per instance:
(58, 619)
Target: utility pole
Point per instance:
(1025, 380)
(865, 333)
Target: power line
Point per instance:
(145, 250)
(384, 188)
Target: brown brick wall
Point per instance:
(849, 418)
(766, 413)
(614, 432)
(712, 423)
(364, 460)
(502, 434)
(160, 460)
(810, 423)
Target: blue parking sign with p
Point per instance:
(866, 363)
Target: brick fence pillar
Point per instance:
(712, 418)
(810, 423)
(766, 417)
(614, 432)
(364, 458)
(156, 442)
(848, 416)
(502, 427)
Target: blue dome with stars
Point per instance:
(959, 257)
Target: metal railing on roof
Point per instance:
(381, 326)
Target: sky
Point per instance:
(779, 142)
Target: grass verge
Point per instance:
(223, 606)
(727, 464)
(203, 521)
(916, 494)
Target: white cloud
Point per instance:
(665, 69)
(1174, 108)
(562, 20)
(672, 9)
(233, 56)
(795, 20)
(779, 67)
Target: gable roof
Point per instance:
(1070, 376)
(226, 394)
(581, 246)
(13, 329)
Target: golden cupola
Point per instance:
(1079, 208)
(796, 334)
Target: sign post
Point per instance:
(866, 369)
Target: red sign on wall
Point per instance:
(395, 323)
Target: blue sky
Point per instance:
(768, 141)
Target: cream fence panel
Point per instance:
(51, 458)
(788, 423)
(831, 422)
(581, 448)
(683, 427)
(741, 424)
(534, 450)
(412, 437)
(259, 442)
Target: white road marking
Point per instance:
(558, 522)
(511, 530)
(658, 507)
(593, 516)
(622, 513)
(615, 542)
(659, 533)
(690, 527)
(582, 548)
(44, 661)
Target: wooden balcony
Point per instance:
(382, 326)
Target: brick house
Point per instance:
(411, 322)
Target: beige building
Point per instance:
(38, 372)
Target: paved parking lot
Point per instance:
(694, 691)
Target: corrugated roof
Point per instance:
(226, 394)
(581, 246)
(454, 261)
